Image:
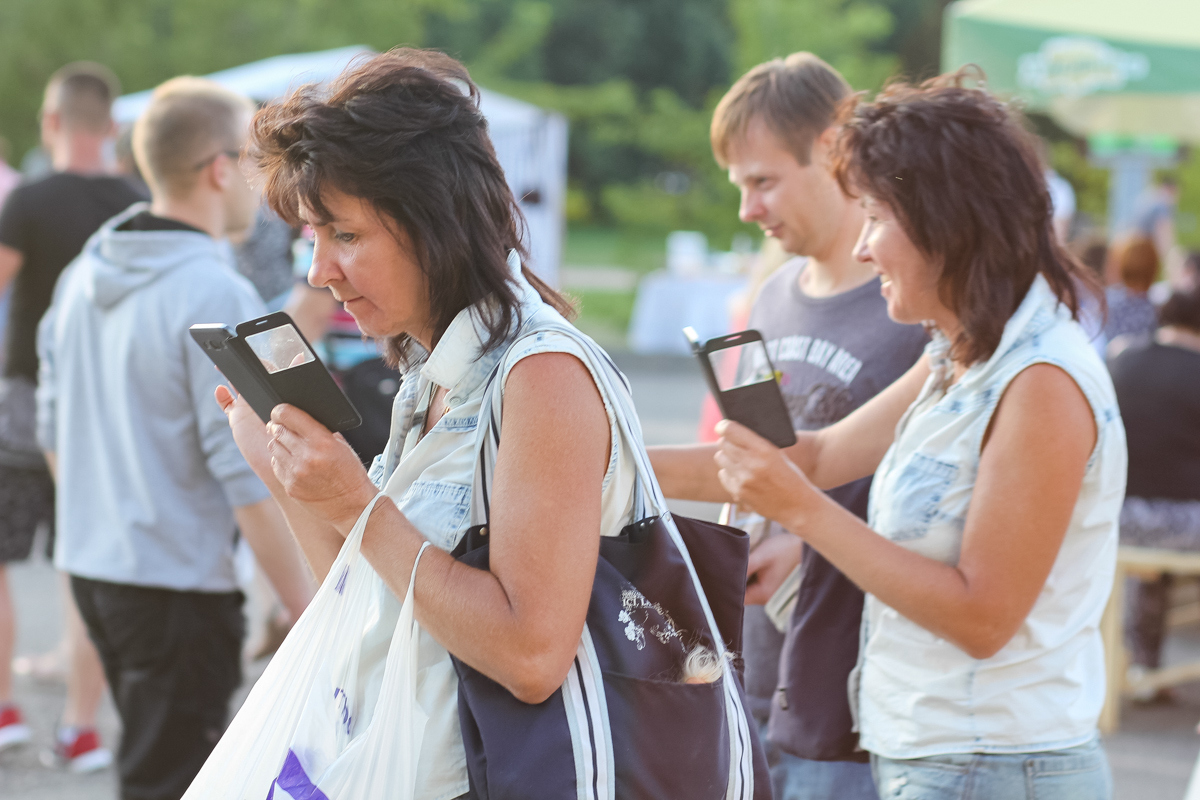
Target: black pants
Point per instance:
(173, 660)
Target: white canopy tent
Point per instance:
(530, 142)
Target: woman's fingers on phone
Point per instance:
(298, 421)
(282, 439)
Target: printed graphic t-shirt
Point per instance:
(834, 353)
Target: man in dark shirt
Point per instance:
(43, 226)
(1157, 380)
(830, 339)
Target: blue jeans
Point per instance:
(1077, 773)
(795, 778)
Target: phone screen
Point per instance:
(753, 366)
(280, 348)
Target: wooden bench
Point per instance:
(1149, 563)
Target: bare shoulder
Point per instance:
(1045, 407)
(554, 418)
(553, 389)
(542, 370)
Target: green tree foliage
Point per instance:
(916, 38)
(843, 33)
(147, 41)
(637, 79)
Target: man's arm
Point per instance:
(10, 264)
(687, 472)
(276, 552)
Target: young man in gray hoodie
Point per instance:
(151, 487)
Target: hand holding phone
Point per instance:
(269, 362)
(754, 399)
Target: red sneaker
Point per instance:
(13, 730)
(80, 749)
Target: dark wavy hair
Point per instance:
(403, 131)
(964, 180)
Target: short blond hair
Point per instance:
(188, 120)
(796, 97)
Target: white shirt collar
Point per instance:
(462, 344)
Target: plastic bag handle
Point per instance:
(412, 577)
(354, 538)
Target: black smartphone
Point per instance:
(752, 397)
(270, 362)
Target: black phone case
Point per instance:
(307, 386)
(758, 406)
(221, 345)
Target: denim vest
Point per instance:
(920, 695)
(430, 479)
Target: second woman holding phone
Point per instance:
(999, 464)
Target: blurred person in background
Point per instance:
(1158, 387)
(44, 225)
(152, 491)
(263, 253)
(1132, 269)
(999, 464)
(126, 165)
(1189, 278)
(9, 178)
(829, 336)
(1154, 218)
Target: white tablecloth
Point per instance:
(666, 303)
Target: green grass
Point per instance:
(604, 315)
(593, 246)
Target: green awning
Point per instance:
(1128, 67)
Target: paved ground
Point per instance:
(1152, 756)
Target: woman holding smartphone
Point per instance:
(999, 464)
(418, 235)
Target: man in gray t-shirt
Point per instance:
(828, 333)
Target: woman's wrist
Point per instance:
(804, 512)
(363, 496)
(797, 521)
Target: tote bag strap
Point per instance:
(649, 501)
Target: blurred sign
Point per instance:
(1109, 145)
(1075, 66)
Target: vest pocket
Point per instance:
(438, 509)
(917, 495)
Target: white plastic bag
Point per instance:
(303, 733)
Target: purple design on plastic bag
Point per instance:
(344, 708)
(295, 781)
(341, 584)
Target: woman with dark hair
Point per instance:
(999, 464)
(1158, 388)
(419, 236)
